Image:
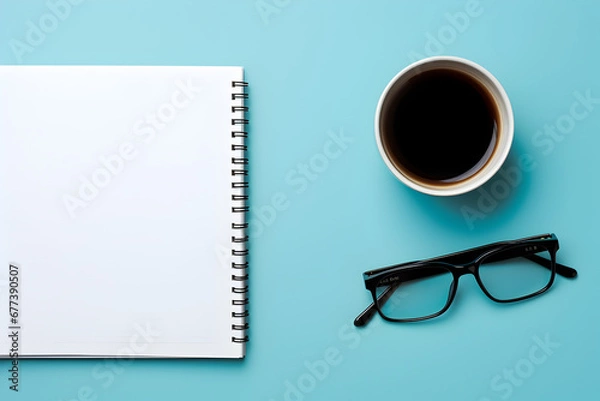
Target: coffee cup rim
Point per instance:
(497, 160)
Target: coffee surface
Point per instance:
(441, 126)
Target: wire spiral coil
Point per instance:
(239, 199)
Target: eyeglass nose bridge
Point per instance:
(461, 270)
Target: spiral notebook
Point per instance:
(122, 214)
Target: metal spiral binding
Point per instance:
(239, 199)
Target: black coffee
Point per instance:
(440, 127)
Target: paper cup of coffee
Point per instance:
(444, 125)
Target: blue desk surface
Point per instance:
(316, 71)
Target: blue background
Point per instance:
(317, 69)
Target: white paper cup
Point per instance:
(504, 133)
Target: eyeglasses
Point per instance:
(507, 271)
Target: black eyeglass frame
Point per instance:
(459, 264)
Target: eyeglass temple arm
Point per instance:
(366, 315)
(561, 269)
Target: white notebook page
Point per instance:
(115, 200)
